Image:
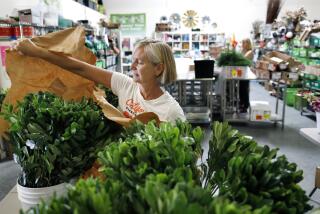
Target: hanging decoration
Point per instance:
(214, 25)
(175, 20)
(190, 18)
(206, 20)
(163, 19)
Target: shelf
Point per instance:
(312, 88)
(199, 41)
(307, 111)
(110, 66)
(245, 117)
(197, 114)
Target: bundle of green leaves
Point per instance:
(251, 174)
(153, 170)
(156, 196)
(54, 140)
(232, 58)
(152, 150)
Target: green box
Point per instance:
(314, 41)
(307, 83)
(300, 102)
(296, 42)
(315, 84)
(290, 97)
(296, 52)
(303, 52)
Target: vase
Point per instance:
(318, 120)
(30, 197)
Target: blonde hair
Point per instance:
(246, 45)
(159, 52)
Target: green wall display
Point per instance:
(131, 24)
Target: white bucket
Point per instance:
(30, 197)
(318, 120)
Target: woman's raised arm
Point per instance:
(91, 72)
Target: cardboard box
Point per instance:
(262, 64)
(262, 74)
(31, 16)
(290, 76)
(162, 27)
(268, 86)
(281, 60)
(276, 75)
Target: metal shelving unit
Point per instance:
(230, 103)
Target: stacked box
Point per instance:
(31, 16)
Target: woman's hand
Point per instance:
(27, 47)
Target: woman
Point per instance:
(153, 65)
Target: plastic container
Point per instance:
(260, 111)
(291, 93)
(30, 197)
(300, 102)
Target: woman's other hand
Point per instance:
(27, 47)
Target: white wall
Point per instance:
(232, 16)
(67, 8)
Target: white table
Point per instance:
(186, 74)
(312, 134)
(10, 204)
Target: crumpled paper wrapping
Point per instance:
(30, 75)
(115, 115)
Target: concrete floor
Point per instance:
(289, 141)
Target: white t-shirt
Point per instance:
(132, 103)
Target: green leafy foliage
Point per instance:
(55, 140)
(186, 197)
(252, 174)
(153, 170)
(232, 58)
(87, 196)
(151, 150)
(156, 195)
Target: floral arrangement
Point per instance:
(316, 105)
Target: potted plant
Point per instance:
(154, 170)
(234, 63)
(54, 140)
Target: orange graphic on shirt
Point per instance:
(126, 114)
(132, 109)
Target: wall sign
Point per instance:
(131, 24)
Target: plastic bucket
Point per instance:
(30, 197)
(291, 93)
